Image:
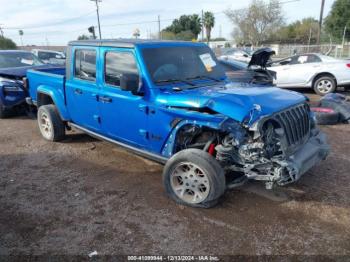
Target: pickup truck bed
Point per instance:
(40, 78)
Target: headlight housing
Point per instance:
(9, 85)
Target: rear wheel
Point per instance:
(194, 178)
(324, 85)
(50, 124)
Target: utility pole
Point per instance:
(159, 32)
(344, 34)
(98, 16)
(1, 32)
(320, 22)
(202, 26)
(310, 34)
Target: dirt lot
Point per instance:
(84, 195)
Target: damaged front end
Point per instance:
(277, 149)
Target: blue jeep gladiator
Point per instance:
(171, 102)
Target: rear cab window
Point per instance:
(85, 64)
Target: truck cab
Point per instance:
(171, 102)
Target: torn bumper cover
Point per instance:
(315, 150)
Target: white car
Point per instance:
(236, 54)
(320, 72)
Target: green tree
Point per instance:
(83, 37)
(338, 18)
(6, 43)
(301, 32)
(258, 22)
(208, 23)
(186, 23)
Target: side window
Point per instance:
(118, 64)
(295, 60)
(313, 59)
(85, 64)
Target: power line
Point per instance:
(49, 24)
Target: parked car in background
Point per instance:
(317, 71)
(236, 54)
(171, 102)
(50, 57)
(255, 72)
(13, 68)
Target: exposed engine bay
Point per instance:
(274, 151)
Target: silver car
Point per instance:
(320, 72)
(236, 54)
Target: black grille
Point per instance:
(296, 123)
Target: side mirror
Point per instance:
(245, 55)
(130, 82)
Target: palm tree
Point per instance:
(208, 23)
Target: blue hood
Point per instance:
(234, 100)
(19, 72)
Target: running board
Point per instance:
(140, 152)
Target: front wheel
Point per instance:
(194, 178)
(324, 85)
(50, 124)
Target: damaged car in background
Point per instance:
(13, 68)
(172, 102)
(253, 72)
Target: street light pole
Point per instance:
(98, 16)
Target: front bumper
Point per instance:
(309, 155)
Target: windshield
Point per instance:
(181, 63)
(49, 55)
(18, 59)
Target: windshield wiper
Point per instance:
(204, 77)
(174, 81)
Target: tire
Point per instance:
(194, 178)
(50, 124)
(324, 85)
(325, 116)
(3, 113)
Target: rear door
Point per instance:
(82, 90)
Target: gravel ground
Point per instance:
(83, 195)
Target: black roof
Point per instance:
(118, 42)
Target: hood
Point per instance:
(20, 72)
(261, 57)
(234, 100)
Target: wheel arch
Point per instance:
(318, 75)
(170, 143)
(46, 96)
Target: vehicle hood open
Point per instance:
(234, 100)
(261, 57)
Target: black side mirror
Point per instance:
(130, 82)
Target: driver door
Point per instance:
(123, 113)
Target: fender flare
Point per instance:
(58, 99)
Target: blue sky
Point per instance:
(58, 21)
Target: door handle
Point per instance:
(78, 91)
(105, 99)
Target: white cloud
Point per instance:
(80, 14)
